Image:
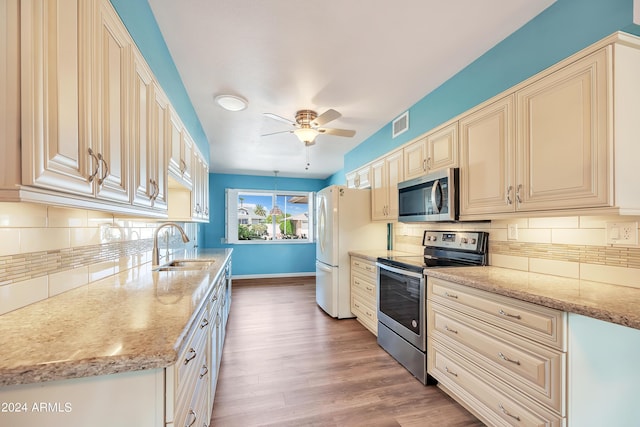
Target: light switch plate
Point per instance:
(512, 232)
(622, 233)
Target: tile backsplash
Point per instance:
(566, 246)
(47, 250)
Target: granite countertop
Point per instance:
(611, 303)
(134, 320)
(374, 254)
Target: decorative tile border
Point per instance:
(586, 254)
(16, 268)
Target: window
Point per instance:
(259, 216)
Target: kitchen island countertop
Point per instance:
(135, 320)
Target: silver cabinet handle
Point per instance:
(504, 411)
(448, 329)
(204, 372)
(183, 166)
(429, 163)
(424, 165)
(95, 172)
(506, 359)
(504, 313)
(509, 190)
(193, 421)
(448, 371)
(518, 193)
(106, 169)
(447, 294)
(192, 355)
(204, 323)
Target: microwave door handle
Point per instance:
(434, 189)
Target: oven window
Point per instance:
(400, 299)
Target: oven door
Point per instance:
(401, 303)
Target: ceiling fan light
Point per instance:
(231, 102)
(306, 135)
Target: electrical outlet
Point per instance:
(512, 232)
(622, 233)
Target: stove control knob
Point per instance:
(473, 241)
(434, 238)
(463, 240)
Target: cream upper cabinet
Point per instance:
(110, 131)
(55, 85)
(487, 158)
(181, 152)
(386, 173)
(562, 137)
(142, 97)
(359, 178)
(437, 150)
(159, 144)
(552, 154)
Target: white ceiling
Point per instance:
(369, 59)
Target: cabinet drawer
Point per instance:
(194, 410)
(538, 323)
(495, 403)
(364, 267)
(365, 286)
(532, 368)
(366, 313)
(190, 360)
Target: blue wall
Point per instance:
(141, 24)
(564, 28)
(259, 259)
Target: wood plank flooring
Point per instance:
(286, 363)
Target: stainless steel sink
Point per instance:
(186, 265)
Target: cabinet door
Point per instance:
(176, 153)
(363, 179)
(487, 160)
(144, 185)
(110, 131)
(394, 171)
(442, 148)
(415, 159)
(55, 78)
(378, 191)
(562, 137)
(158, 154)
(187, 158)
(352, 180)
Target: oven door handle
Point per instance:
(400, 271)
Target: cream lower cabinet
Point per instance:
(364, 293)
(386, 173)
(436, 150)
(503, 359)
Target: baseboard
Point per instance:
(270, 276)
(281, 280)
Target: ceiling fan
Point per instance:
(308, 125)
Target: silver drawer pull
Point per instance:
(505, 358)
(194, 417)
(369, 288)
(204, 323)
(446, 328)
(504, 411)
(204, 371)
(504, 313)
(191, 356)
(450, 372)
(356, 281)
(447, 294)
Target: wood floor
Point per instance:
(286, 363)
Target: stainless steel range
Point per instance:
(402, 305)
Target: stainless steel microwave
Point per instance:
(429, 198)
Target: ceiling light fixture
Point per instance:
(231, 102)
(306, 135)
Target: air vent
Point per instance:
(401, 124)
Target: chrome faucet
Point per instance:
(155, 255)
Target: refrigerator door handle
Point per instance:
(322, 224)
(323, 267)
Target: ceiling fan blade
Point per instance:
(280, 119)
(326, 117)
(337, 132)
(275, 133)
